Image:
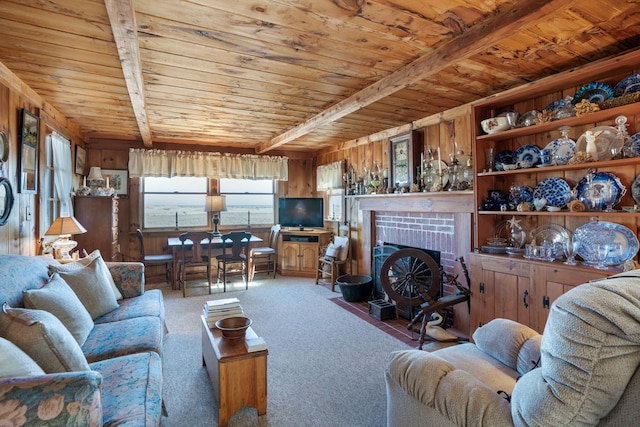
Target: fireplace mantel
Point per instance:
(457, 203)
(436, 202)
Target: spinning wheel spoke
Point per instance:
(410, 276)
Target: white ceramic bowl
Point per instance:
(495, 124)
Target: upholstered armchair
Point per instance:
(582, 371)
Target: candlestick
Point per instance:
(439, 162)
(107, 186)
(176, 220)
(84, 181)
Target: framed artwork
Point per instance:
(116, 178)
(28, 163)
(404, 156)
(81, 160)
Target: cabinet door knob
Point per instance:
(524, 299)
(482, 287)
(545, 302)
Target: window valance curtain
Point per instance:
(329, 176)
(167, 164)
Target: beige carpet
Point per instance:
(325, 365)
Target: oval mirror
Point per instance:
(6, 200)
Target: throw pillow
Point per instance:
(44, 338)
(92, 286)
(83, 262)
(332, 253)
(15, 362)
(58, 298)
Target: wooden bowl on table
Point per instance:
(234, 327)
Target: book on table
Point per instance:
(220, 309)
(254, 343)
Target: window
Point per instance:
(174, 202)
(335, 204)
(249, 202)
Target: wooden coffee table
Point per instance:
(239, 378)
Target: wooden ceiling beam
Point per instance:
(122, 16)
(479, 38)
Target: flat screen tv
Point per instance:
(301, 212)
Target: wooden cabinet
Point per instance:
(99, 215)
(519, 288)
(298, 251)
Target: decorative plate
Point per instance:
(516, 231)
(434, 171)
(595, 191)
(635, 189)
(624, 238)
(627, 85)
(605, 140)
(555, 190)
(595, 92)
(504, 157)
(528, 156)
(632, 146)
(556, 105)
(555, 234)
(527, 119)
(4, 147)
(520, 193)
(562, 150)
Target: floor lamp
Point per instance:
(216, 204)
(65, 227)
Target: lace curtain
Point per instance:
(329, 176)
(167, 164)
(63, 175)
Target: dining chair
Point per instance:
(233, 260)
(264, 259)
(156, 260)
(195, 252)
(334, 259)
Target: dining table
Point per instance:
(175, 244)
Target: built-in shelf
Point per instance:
(562, 212)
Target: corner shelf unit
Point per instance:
(536, 96)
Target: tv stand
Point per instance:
(298, 251)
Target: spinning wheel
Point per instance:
(411, 277)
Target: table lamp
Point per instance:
(216, 204)
(64, 227)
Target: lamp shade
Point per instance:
(216, 204)
(65, 225)
(95, 174)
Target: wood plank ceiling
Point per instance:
(294, 75)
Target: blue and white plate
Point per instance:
(626, 243)
(627, 85)
(505, 157)
(556, 105)
(632, 146)
(562, 150)
(635, 189)
(595, 92)
(528, 156)
(593, 189)
(555, 190)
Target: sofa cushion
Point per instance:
(131, 389)
(590, 351)
(92, 285)
(108, 340)
(19, 272)
(150, 303)
(44, 338)
(58, 298)
(15, 362)
(83, 262)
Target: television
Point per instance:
(301, 212)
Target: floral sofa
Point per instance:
(80, 343)
(584, 370)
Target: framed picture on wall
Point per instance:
(81, 160)
(28, 154)
(118, 179)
